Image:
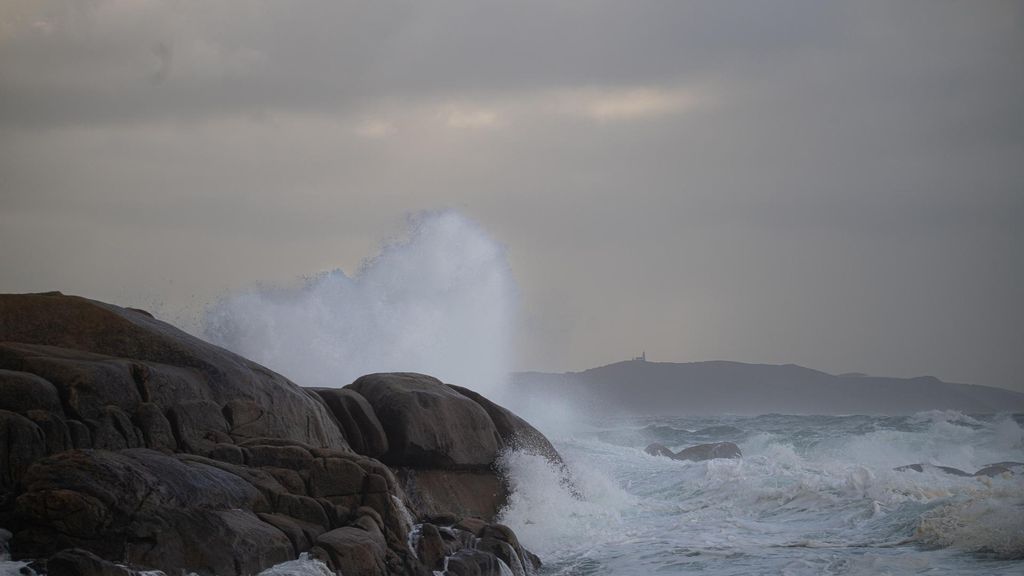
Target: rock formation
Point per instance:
(128, 445)
(697, 453)
(988, 470)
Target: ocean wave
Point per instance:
(811, 495)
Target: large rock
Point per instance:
(126, 441)
(78, 562)
(514, 433)
(354, 552)
(429, 425)
(433, 493)
(143, 359)
(924, 467)
(356, 417)
(21, 443)
(22, 391)
(711, 451)
(149, 508)
(697, 453)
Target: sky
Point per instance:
(834, 184)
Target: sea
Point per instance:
(811, 495)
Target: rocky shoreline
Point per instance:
(128, 445)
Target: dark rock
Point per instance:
(198, 426)
(473, 525)
(656, 449)
(429, 425)
(180, 366)
(460, 492)
(5, 539)
(87, 383)
(290, 479)
(473, 563)
(993, 471)
(155, 428)
(99, 398)
(292, 457)
(353, 413)
(504, 552)
(709, 451)
(246, 418)
(112, 429)
(430, 547)
(226, 453)
(22, 391)
(335, 477)
(80, 435)
(152, 509)
(78, 562)
(54, 429)
(354, 552)
(21, 443)
(1012, 466)
(300, 534)
(305, 509)
(931, 467)
(514, 432)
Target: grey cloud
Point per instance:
(845, 193)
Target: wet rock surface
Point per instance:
(697, 453)
(127, 445)
(988, 470)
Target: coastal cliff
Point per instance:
(128, 445)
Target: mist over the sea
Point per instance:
(441, 300)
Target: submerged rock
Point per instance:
(697, 453)
(656, 449)
(1009, 465)
(921, 467)
(428, 424)
(709, 451)
(993, 471)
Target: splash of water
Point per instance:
(441, 301)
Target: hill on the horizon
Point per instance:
(721, 387)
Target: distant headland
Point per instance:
(723, 387)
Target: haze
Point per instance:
(837, 185)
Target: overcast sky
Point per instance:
(834, 184)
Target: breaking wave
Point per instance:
(441, 301)
(812, 495)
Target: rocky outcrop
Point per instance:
(128, 445)
(697, 453)
(988, 470)
(442, 444)
(356, 417)
(428, 424)
(472, 547)
(514, 433)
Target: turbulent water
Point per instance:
(440, 300)
(811, 495)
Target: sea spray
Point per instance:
(811, 495)
(440, 301)
(550, 516)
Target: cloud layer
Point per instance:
(833, 184)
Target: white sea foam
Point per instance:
(810, 496)
(546, 514)
(303, 566)
(440, 301)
